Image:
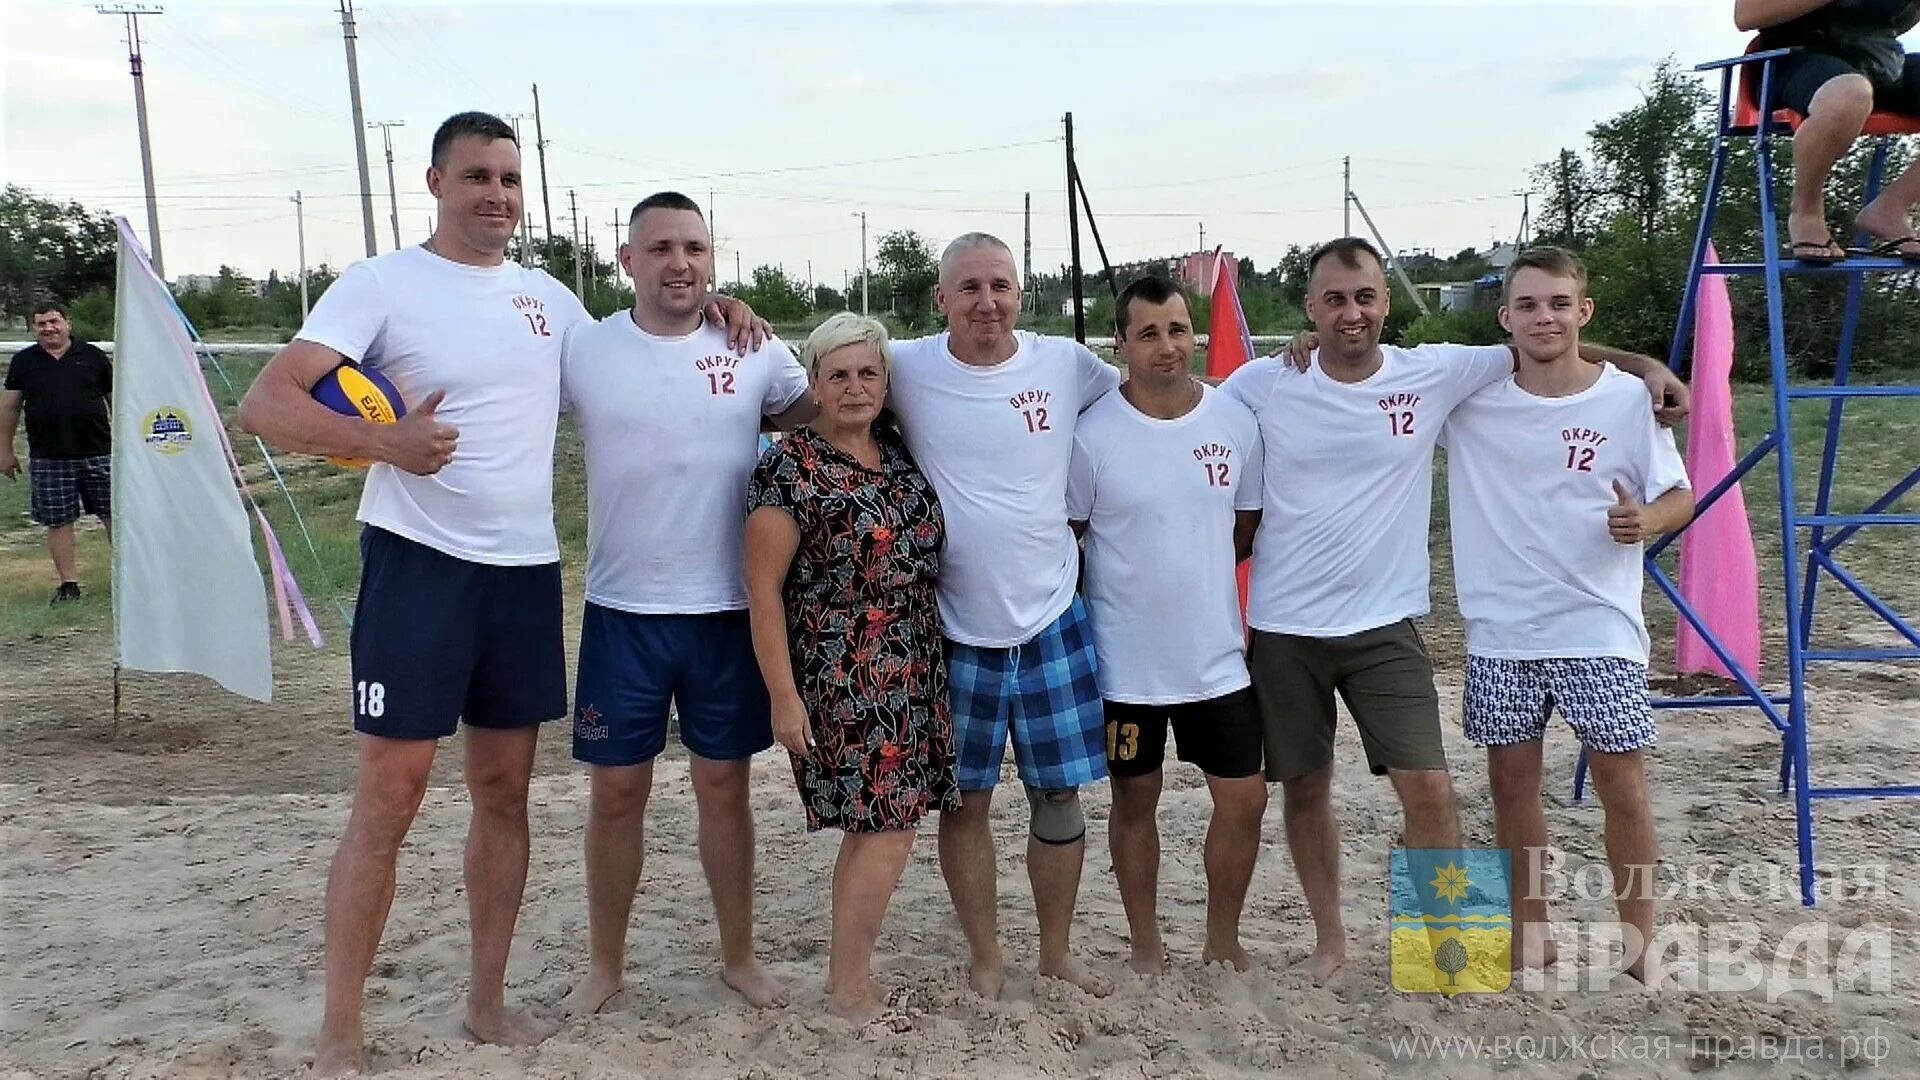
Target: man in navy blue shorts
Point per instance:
(459, 614)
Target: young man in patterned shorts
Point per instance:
(1557, 476)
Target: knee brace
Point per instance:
(1055, 815)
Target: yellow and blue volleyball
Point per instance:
(351, 390)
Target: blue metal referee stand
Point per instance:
(1809, 540)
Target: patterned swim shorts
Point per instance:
(1603, 698)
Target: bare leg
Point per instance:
(726, 854)
(1632, 852)
(616, 850)
(1520, 826)
(1834, 119)
(1313, 838)
(967, 862)
(1890, 215)
(391, 781)
(1429, 818)
(60, 548)
(863, 882)
(499, 764)
(1054, 872)
(1133, 839)
(1233, 847)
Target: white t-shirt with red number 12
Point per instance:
(995, 442)
(1530, 480)
(1342, 544)
(490, 338)
(671, 427)
(1159, 498)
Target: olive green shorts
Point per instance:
(1385, 677)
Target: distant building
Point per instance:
(194, 283)
(1196, 271)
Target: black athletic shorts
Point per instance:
(1799, 76)
(438, 641)
(1222, 736)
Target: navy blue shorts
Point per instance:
(633, 666)
(439, 640)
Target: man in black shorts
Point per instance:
(1164, 486)
(64, 386)
(1848, 63)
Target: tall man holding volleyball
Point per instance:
(459, 614)
(670, 420)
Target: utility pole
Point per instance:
(1346, 196)
(1393, 261)
(1073, 240)
(864, 309)
(809, 282)
(393, 199)
(300, 226)
(737, 279)
(619, 226)
(1526, 219)
(579, 272)
(132, 13)
(526, 212)
(1203, 238)
(540, 144)
(1026, 262)
(359, 125)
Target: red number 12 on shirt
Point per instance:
(1216, 473)
(1036, 420)
(720, 382)
(1580, 458)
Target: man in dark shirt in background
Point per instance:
(65, 386)
(1848, 63)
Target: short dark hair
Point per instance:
(477, 124)
(664, 200)
(1147, 290)
(1557, 261)
(1347, 250)
(45, 306)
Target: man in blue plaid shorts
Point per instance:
(64, 387)
(1558, 474)
(989, 414)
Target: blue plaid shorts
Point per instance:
(60, 488)
(1603, 699)
(1045, 692)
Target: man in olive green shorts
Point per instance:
(1340, 561)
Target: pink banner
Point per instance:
(1718, 574)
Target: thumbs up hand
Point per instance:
(1627, 517)
(418, 442)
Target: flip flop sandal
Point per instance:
(1890, 249)
(1815, 251)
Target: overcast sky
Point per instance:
(797, 116)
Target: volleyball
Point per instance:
(351, 390)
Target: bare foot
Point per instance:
(1887, 224)
(987, 980)
(862, 1005)
(1230, 953)
(753, 983)
(1536, 951)
(506, 1027)
(593, 993)
(1149, 957)
(1073, 971)
(344, 1055)
(1663, 981)
(1326, 960)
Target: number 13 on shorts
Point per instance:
(1123, 741)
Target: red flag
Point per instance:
(1228, 346)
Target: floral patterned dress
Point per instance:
(864, 631)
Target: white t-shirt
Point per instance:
(1158, 497)
(995, 443)
(490, 337)
(671, 428)
(1530, 480)
(1342, 544)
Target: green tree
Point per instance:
(907, 265)
(774, 296)
(51, 251)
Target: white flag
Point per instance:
(187, 594)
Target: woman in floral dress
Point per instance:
(842, 548)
